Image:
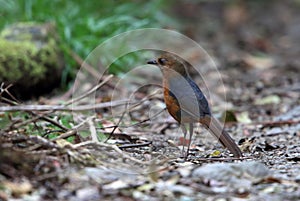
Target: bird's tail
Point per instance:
(215, 128)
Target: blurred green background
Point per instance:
(227, 29)
(83, 25)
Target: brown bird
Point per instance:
(187, 104)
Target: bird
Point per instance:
(187, 104)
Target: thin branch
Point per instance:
(23, 123)
(134, 145)
(221, 159)
(116, 126)
(16, 108)
(135, 104)
(45, 118)
(145, 120)
(2, 90)
(39, 115)
(65, 135)
(90, 91)
(85, 65)
(92, 129)
(114, 147)
(275, 123)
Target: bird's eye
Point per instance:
(162, 61)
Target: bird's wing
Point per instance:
(190, 98)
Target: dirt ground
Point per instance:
(256, 48)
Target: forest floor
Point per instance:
(258, 60)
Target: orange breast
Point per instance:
(172, 105)
(174, 109)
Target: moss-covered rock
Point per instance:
(30, 58)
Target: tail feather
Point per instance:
(215, 128)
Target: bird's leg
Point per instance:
(183, 128)
(191, 130)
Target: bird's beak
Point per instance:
(153, 62)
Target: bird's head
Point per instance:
(169, 62)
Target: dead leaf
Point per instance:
(271, 99)
(243, 117)
(18, 189)
(259, 62)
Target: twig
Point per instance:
(134, 145)
(123, 113)
(90, 91)
(23, 123)
(2, 90)
(145, 120)
(114, 147)
(41, 117)
(54, 122)
(135, 124)
(146, 98)
(130, 109)
(15, 108)
(90, 69)
(276, 123)
(116, 126)
(221, 159)
(40, 141)
(85, 65)
(92, 129)
(65, 135)
(47, 176)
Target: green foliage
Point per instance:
(83, 25)
(85, 133)
(9, 120)
(67, 120)
(4, 120)
(124, 63)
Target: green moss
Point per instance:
(25, 57)
(17, 61)
(48, 54)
